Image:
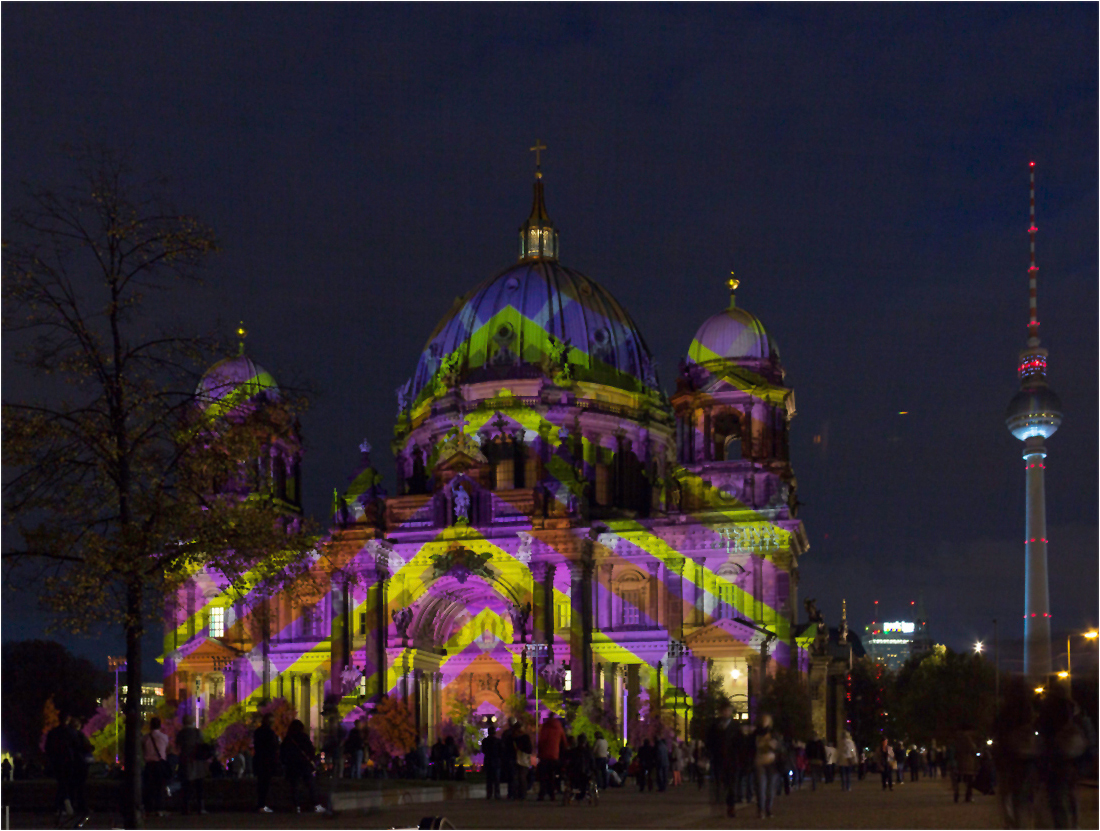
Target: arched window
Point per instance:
(732, 450)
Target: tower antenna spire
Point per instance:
(1033, 270)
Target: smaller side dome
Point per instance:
(733, 334)
(232, 382)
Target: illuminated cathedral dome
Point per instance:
(233, 381)
(535, 316)
(732, 335)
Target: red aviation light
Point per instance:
(1032, 164)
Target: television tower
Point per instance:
(1033, 415)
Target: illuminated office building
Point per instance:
(893, 642)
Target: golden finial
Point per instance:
(242, 333)
(733, 284)
(537, 150)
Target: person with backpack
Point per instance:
(298, 756)
(265, 762)
(195, 755)
(154, 752)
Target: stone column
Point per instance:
(608, 612)
(708, 441)
(653, 588)
(697, 616)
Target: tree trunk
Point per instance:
(132, 753)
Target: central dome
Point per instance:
(513, 323)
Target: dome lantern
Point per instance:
(538, 239)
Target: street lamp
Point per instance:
(1069, 664)
(978, 647)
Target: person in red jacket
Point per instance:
(551, 743)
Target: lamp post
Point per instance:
(117, 664)
(996, 670)
(1069, 664)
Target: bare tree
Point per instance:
(120, 482)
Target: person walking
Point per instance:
(846, 758)
(600, 753)
(722, 743)
(298, 757)
(155, 775)
(353, 750)
(966, 763)
(885, 760)
(194, 764)
(663, 763)
(492, 750)
(1067, 740)
(521, 741)
(815, 755)
(677, 762)
(82, 758)
(59, 754)
(764, 762)
(265, 760)
(550, 746)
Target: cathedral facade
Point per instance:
(560, 525)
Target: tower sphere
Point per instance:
(1034, 411)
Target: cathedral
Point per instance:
(560, 525)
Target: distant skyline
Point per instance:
(862, 169)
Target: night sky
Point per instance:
(862, 169)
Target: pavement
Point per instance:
(924, 804)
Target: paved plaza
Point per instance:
(925, 804)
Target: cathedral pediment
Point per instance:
(724, 633)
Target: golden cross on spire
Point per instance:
(537, 150)
(242, 333)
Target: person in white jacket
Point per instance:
(846, 757)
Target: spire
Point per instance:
(538, 240)
(1033, 359)
(242, 333)
(1033, 271)
(733, 284)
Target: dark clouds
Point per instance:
(861, 168)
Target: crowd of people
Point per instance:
(1036, 746)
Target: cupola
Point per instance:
(538, 239)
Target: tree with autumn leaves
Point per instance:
(120, 486)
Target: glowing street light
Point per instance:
(978, 647)
(1038, 691)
